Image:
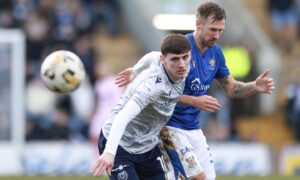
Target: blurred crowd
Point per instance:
(73, 25)
(285, 18)
(221, 125)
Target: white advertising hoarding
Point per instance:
(57, 158)
(64, 158)
(241, 159)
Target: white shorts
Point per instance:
(188, 152)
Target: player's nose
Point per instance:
(217, 35)
(182, 63)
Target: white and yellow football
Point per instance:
(62, 71)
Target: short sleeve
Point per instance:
(222, 71)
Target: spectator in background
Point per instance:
(51, 25)
(54, 25)
(108, 94)
(293, 104)
(284, 19)
(105, 13)
(6, 16)
(82, 104)
(298, 16)
(59, 129)
(38, 110)
(37, 30)
(240, 65)
(21, 8)
(87, 54)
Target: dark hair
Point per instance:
(175, 43)
(210, 8)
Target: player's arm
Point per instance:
(106, 160)
(125, 77)
(203, 102)
(238, 89)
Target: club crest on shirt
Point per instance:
(212, 64)
(122, 175)
(191, 162)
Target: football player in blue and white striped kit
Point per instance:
(128, 143)
(182, 136)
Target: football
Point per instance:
(62, 71)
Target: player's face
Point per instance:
(176, 65)
(209, 31)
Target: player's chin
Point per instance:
(211, 43)
(181, 75)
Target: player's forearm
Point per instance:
(241, 89)
(121, 120)
(186, 100)
(237, 89)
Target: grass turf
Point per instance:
(273, 177)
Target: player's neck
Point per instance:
(171, 78)
(201, 47)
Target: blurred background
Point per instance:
(42, 133)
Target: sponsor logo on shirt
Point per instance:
(167, 102)
(186, 149)
(196, 85)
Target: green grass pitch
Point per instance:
(273, 177)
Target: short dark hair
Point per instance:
(175, 43)
(210, 8)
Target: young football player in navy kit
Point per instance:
(128, 143)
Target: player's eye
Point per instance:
(175, 59)
(186, 57)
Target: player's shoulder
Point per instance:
(217, 48)
(189, 35)
(151, 86)
(156, 81)
(153, 54)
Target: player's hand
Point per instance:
(104, 162)
(264, 84)
(206, 103)
(125, 77)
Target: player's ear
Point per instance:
(162, 58)
(198, 23)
